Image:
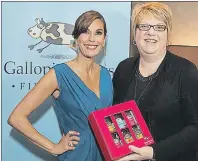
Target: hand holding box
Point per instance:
(116, 127)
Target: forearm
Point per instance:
(24, 126)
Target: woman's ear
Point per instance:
(73, 45)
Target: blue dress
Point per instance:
(73, 106)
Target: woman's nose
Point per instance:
(151, 31)
(92, 37)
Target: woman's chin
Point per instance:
(91, 55)
(150, 52)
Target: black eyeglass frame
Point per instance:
(138, 26)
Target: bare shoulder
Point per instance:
(49, 79)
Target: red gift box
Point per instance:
(116, 127)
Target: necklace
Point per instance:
(135, 92)
(144, 80)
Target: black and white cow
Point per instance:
(52, 32)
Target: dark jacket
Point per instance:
(170, 102)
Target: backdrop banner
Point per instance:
(32, 43)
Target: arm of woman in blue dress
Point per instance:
(19, 117)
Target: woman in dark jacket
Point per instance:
(164, 86)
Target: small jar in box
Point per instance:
(116, 127)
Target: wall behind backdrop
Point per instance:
(24, 62)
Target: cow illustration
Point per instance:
(56, 33)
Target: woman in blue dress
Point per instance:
(81, 86)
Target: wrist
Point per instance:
(52, 150)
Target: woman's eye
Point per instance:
(161, 27)
(98, 33)
(144, 26)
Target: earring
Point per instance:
(77, 49)
(134, 42)
(168, 43)
(73, 45)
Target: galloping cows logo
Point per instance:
(55, 33)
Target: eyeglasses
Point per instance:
(146, 27)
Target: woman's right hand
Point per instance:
(67, 142)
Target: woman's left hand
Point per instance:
(143, 153)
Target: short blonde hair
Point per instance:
(156, 9)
